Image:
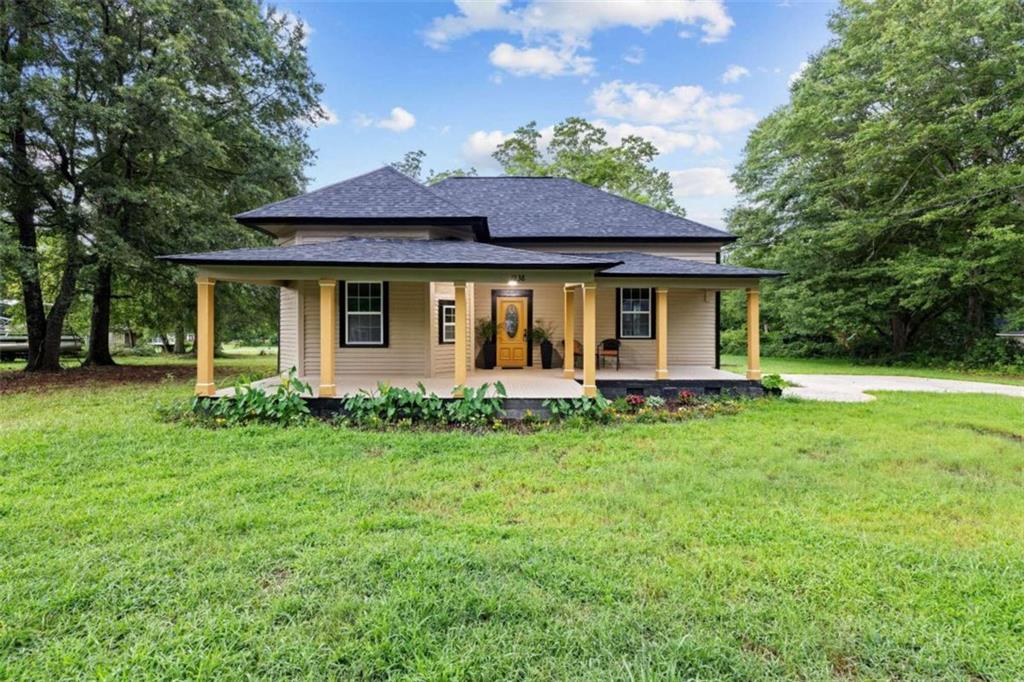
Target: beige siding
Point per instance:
(313, 234)
(288, 350)
(407, 352)
(700, 251)
(442, 354)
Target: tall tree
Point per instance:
(891, 187)
(161, 119)
(579, 150)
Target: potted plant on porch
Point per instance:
(541, 335)
(485, 332)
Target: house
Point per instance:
(384, 279)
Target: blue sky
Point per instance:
(454, 78)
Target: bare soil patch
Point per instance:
(18, 381)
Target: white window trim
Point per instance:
(445, 325)
(348, 327)
(623, 311)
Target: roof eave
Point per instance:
(186, 260)
(726, 238)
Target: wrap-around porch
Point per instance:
(578, 374)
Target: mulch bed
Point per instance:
(17, 381)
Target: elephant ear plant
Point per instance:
(249, 404)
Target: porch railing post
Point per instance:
(661, 334)
(590, 339)
(204, 336)
(753, 335)
(328, 336)
(569, 321)
(461, 332)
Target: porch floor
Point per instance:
(519, 383)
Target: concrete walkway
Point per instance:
(850, 388)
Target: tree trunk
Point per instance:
(179, 340)
(24, 213)
(901, 332)
(99, 327)
(48, 360)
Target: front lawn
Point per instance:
(882, 539)
(771, 365)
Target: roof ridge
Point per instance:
(429, 190)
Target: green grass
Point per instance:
(738, 363)
(813, 540)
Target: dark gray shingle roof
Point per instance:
(360, 251)
(383, 193)
(559, 208)
(634, 264)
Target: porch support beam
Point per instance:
(569, 320)
(753, 335)
(461, 332)
(328, 336)
(589, 340)
(204, 336)
(661, 334)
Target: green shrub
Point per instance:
(654, 402)
(774, 382)
(585, 409)
(393, 406)
(143, 350)
(250, 404)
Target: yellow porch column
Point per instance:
(589, 339)
(661, 334)
(204, 336)
(461, 332)
(569, 320)
(753, 335)
(328, 336)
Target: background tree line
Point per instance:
(891, 187)
(137, 128)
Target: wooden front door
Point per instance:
(511, 321)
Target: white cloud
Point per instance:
(399, 121)
(684, 105)
(575, 22)
(796, 75)
(634, 55)
(707, 181)
(665, 139)
(540, 61)
(564, 28)
(734, 73)
(479, 146)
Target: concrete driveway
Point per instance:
(850, 388)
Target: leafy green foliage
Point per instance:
(891, 186)
(391, 405)
(586, 408)
(774, 382)
(249, 404)
(579, 150)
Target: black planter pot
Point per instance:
(546, 350)
(490, 353)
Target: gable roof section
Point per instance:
(383, 194)
(632, 264)
(371, 252)
(560, 209)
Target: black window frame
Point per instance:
(441, 305)
(343, 314)
(653, 315)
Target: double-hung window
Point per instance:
(636, 316)
(365, 314)
(446, 321)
